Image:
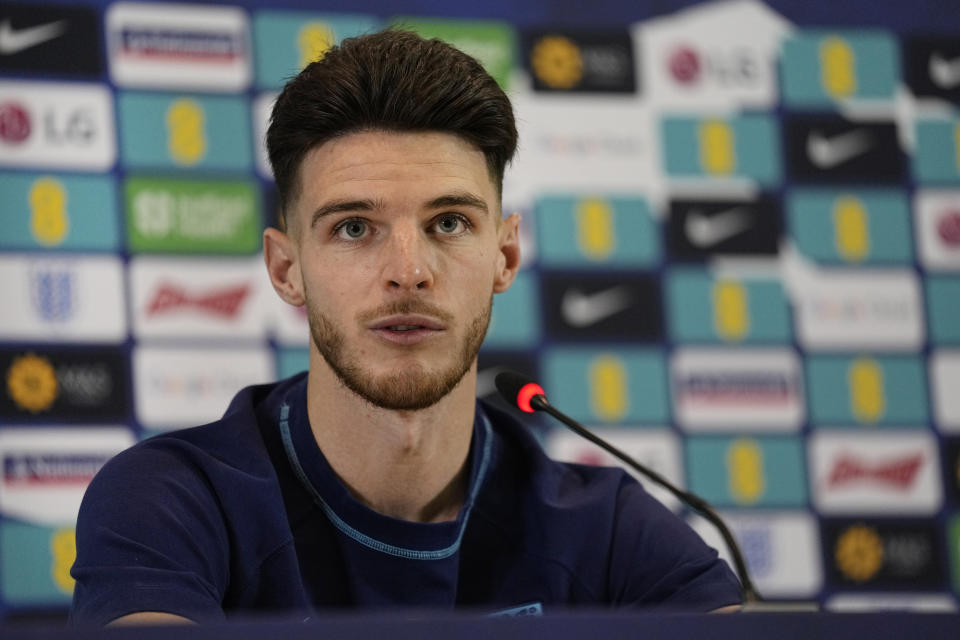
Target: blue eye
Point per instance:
(352, 229)
(450, 224)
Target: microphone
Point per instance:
(528, 396)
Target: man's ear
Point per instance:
(280, 254)
(508, 260)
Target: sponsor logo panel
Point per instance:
(932, 67)
(65, 384)
(56, 126)
(821, 68)
(36, 563)
(491, 42)
(747, 471)
(883, 554)
(889, 473)
(745, 146)
(184, 216)
(708, 309)
(210, 298)
(185, 131)
(943, 308)
(595, 231)
(945, 380)
(937, 155)
(615, 386)
(190, 47)
(700, 229)
(755, 390)
(656, 449)
(953, 542)
(182, 387)
(50, 39)
(937, 218)
(855, 227)
(781, 549)
(46, 470)
(832, 149)
(700, 58)
(601, 307)
(561, 137)
(45, 211)
(287, 41)
(859, 309)
(867, 390)
(867, 602)
(68, 298)
(580, 61)
(515, 318)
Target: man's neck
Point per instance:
(410, 465)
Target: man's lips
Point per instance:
(407, 329)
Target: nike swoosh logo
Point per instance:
(828, 152)
(944, 73)
(706, 231)
(14, 41)
(582, 310)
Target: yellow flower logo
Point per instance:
(32, 383)
(859, 553)
(557, 62)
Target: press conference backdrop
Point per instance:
(742, 241)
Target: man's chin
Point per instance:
(409, 390)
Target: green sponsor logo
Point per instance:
(490, 42)
(192, 216)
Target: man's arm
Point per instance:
(149, 617)
(150, 539)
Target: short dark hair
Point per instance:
(392, 80)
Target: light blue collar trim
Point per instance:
(364, 539)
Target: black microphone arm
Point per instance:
(511, 385)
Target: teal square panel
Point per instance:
(286, 41)
(291, 361)
(943, 309)
(851, 226)
(701, 308)
(747, 471)
(746, 146)
(936, 158)
(596, 231)
(54, 211)
(167, 131)
(867, 390)
(819, 68)
(608, 386)
(36, 564)
(515, 320)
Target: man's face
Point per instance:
(400, 250)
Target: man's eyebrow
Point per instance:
(460, 199)
(339, 206)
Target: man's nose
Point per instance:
(407, 263)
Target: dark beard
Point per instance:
(410, 390)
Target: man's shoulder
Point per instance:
(228, 450)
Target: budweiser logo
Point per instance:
(898, 474)
(223, 302)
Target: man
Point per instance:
(377, 479)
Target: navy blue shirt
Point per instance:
(245, 514)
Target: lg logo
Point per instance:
(735, 68)
(68, 127)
